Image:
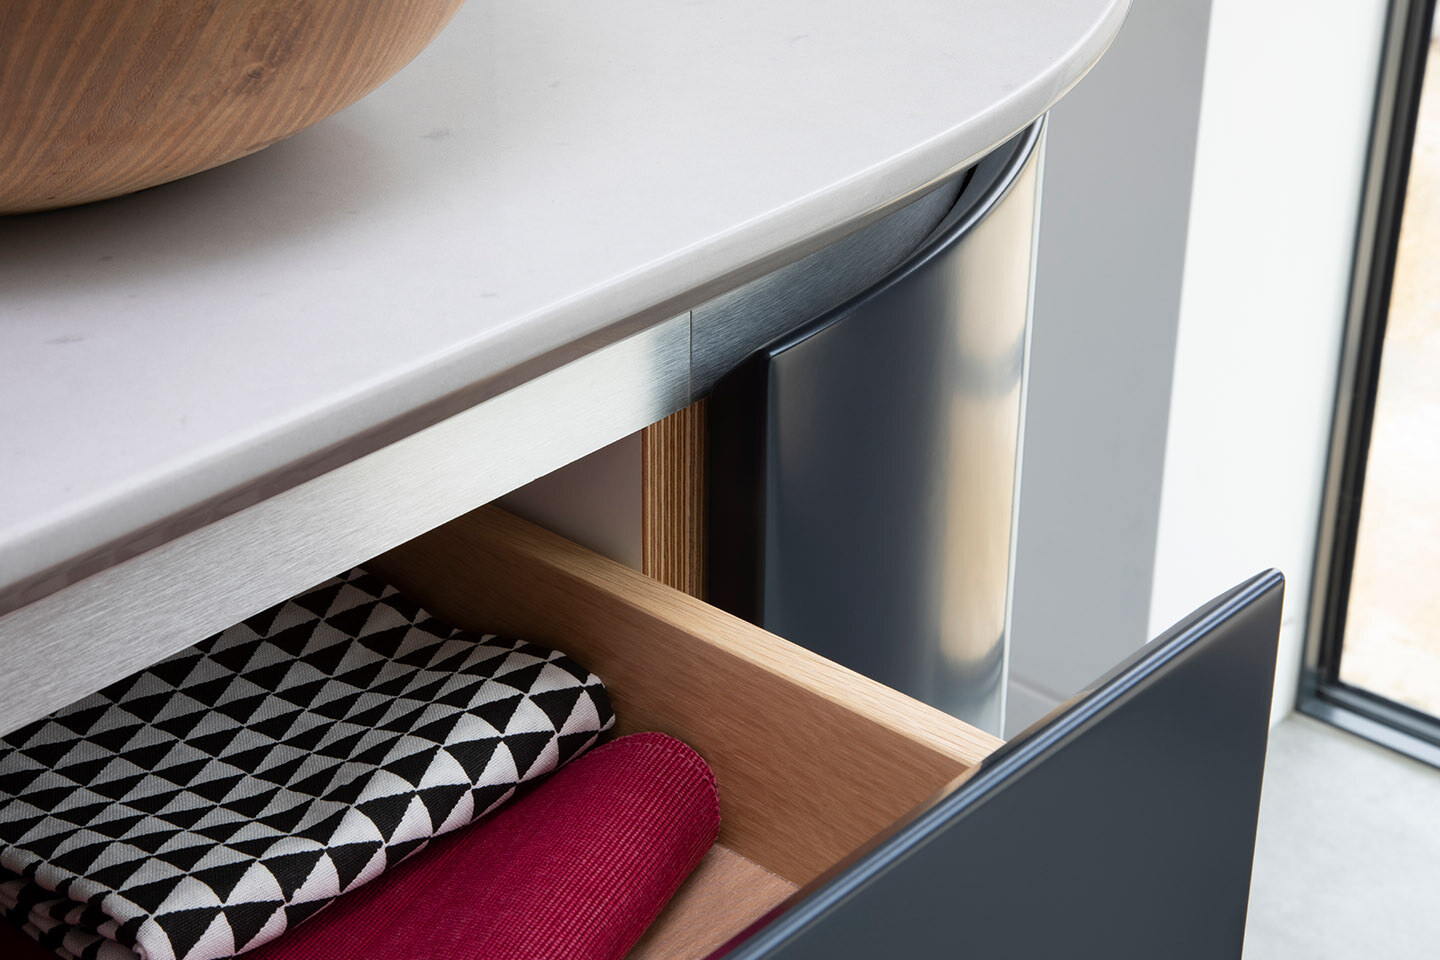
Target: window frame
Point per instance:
(1322, 693)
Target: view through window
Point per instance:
(1391, 643)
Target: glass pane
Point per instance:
(1392, 630)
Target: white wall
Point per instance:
(594, 501)
(1284, 126)
(1119, 154)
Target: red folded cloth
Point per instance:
(575, 870)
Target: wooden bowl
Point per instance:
(103, 97)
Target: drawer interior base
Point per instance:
(724, 895)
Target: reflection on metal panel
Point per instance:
(864, 468)
(725, 330)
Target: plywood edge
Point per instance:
(673, 500)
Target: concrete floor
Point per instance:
(1347, 861)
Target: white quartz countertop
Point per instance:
(545, 178)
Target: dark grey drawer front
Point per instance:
(1122, 827)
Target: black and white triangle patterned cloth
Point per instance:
(199, 808)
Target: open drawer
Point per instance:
(857, 822)
(860, 823)
(813, 760)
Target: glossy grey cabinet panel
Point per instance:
(863, 468)
(1122, 826)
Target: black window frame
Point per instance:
(1322, 693)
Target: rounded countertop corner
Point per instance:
(544, 180)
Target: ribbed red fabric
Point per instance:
(575, 870)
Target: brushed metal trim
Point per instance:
(74, 641)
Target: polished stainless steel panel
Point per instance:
(884, 483)
(731, 326)
(74, 641)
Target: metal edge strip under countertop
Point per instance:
(122, 617)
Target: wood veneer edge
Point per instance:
(673, 500)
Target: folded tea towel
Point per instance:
(575, 870)
(203, 806)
